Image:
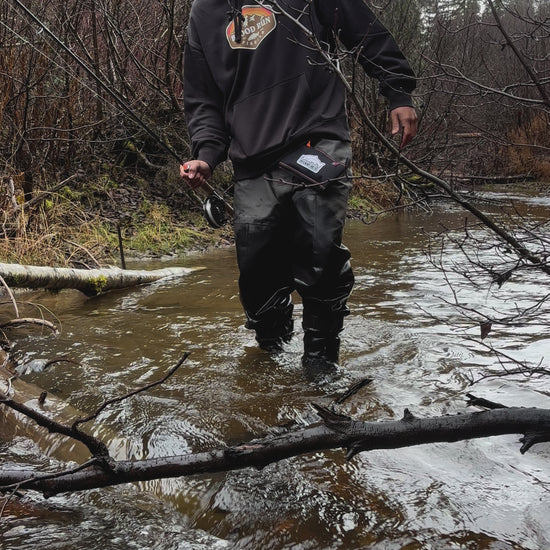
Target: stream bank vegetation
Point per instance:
(483, 117)
(484, 113)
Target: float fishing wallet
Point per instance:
(312, 166)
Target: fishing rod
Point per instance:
(215, 206)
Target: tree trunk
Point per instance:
(335, 432)
(89, 281)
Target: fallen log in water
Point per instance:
(518, 178)
(89, 281)
(335, 431)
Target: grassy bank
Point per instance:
(82, 223)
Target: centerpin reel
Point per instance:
(215, 211)
(214, 207)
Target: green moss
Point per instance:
(154, 229)
(70, 194)
(106, 182)
(359, 203)
(97, 284)
(129, 146)
(78, 225)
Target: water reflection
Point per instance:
(474, 494)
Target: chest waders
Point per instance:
(289, 237)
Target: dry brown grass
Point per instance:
(38, 238)
(78, 227)
(57, 231)
(381, 194)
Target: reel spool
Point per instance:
(214, 209)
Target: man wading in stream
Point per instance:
(255, 89)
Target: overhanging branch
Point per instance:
(522, 251)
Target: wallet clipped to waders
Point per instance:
(312, 166)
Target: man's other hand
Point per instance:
(195, 172)
(404, 119)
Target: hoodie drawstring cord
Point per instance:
(238, 19)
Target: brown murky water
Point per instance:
(480, 494)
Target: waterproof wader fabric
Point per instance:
(289, 237)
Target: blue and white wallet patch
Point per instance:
(312, 166)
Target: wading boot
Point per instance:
(273, 341)
(274, 330)
(322, 323)
(321, 353)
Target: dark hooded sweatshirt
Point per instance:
(255, 88)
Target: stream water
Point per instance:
(403, 332)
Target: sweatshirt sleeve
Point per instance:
(203, 104)
(361, 31)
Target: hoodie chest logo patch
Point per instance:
(258, 22)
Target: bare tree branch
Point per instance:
(10, 294)
(336, 431)
(540, 87)
(130, 394)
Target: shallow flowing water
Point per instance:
(403, 332)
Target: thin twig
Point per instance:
(60, 360)
(81, 247)
(10, 294)
(30, 321)
(11, 194)
(353, 390)
(80, 467)
(130, 394)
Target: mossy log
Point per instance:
(89, 281)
